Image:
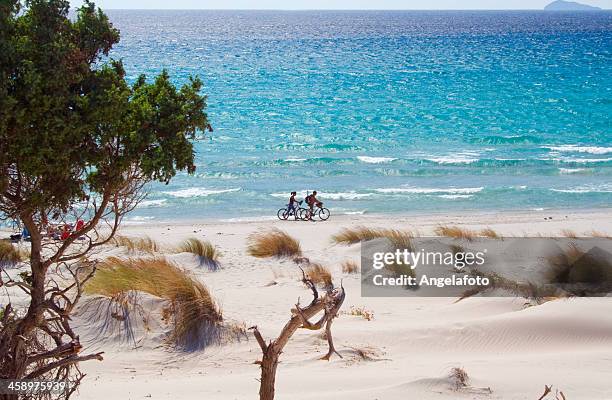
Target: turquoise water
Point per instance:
(385, 112)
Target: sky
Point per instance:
(334, 4)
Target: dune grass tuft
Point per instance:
(349, 236)
(144, 244)
(273, 243)
(525, 290)
(455, 232)
(319, 274)
(192, 311)
(598, 234)
(568, 233)
(489, 233)
(580, 273)
(207, 253)
(350, 267)
(400, 269)
(9, 254)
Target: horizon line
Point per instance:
(352, 9)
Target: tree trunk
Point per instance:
(269, 363)
(330, 304)
(15, 346)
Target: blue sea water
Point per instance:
(385, 112)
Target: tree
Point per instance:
(77, 143)
(329, 304)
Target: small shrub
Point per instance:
(455, 232)
(319, 274)
(459, 378)
(274, 243)
(207, 253)
(362, 312)
(144, 244)
(350, 267)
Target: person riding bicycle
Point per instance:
(312, 200)
(292, 202)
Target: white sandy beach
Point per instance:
(412, 343)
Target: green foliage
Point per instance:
(71, 128)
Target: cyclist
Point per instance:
(291, 205)
(312, 200)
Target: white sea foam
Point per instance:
(329, 195)
(430, 190)
(344, 196)
(567, 171)
(571, 148)
(454, 159)
(455, 196)
(584, 160)
(137, 220)
(294, 159)
(603, 188)
(375, 160)
(151, 203)
(199, 192)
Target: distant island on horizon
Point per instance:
(562, 5)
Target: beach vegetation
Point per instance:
(455, 232)
(9, 254)
(194, 316)
(206, 253)
(143, 244)
(599, 234)
(459, 378)
(527, 290)
(489, 233)
(568, 233)
(78, 142)
(350, 267)
(400, 269)
(362, 312)
(319, 274)
(329, 304)
(398, 238)
(273, 243)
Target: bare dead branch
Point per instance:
(330, 304)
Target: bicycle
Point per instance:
(321, 212)
(284, 213)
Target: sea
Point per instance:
(384, 112)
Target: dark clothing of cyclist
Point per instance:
(292, 202)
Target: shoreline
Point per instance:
(368, 217)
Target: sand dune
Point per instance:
(508, 348)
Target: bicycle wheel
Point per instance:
(324, 214)
(303, 214)
(282, 214)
